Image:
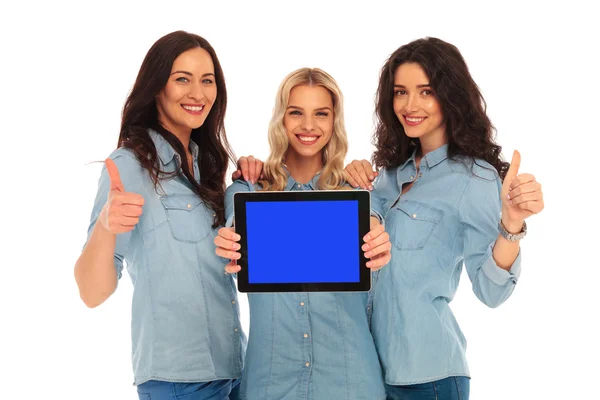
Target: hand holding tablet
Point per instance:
(303, 241)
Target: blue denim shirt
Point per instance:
(309, 346)
(449, 217)
(185, 320)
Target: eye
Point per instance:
(182, 79)
(400, 92)
(208, 81)
(427, 92)
(295, 112)
(322, 114)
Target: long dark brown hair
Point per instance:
(140, 114)
(469, 131)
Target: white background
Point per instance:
(67, 68)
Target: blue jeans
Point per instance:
(216, 390)
(452, 388)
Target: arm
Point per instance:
(479, 211)
(100, 264)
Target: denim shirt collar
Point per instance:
(165, 151)
(432, 158)
(291, 183)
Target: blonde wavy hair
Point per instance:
(334, 153)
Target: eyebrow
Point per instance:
(190, 74)
(316, 109)
(418, 86)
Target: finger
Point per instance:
(236, 174)
(119, 222)
(362, 183)
(525, 198)
(128, 210)
(376, 241)
(532, 206)
(381, 249)
(252, 169)
(232, 268)
(229, 234)
(113, 175)
(350, 179)
(226, 253)
(226, 244)
(243, 165)
(528, 187)
(368, 169)
(521, 179)
(379, 261)
(513, 170)
(378, 230)
(128, 198)
(259, 168)
(364, 172)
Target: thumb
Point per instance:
(513, 170)
(113, 174)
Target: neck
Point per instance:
(428, 146)
(303, 169)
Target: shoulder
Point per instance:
(240, 185)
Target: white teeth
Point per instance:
(307, 138)
(414, 119)
(194, 108)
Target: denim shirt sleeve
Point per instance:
(129, 169)
(479, 211)
(377, 202)
(238, 185)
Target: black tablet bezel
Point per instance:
(364, 212)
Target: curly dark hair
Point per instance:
(140, 114)
(469, 131)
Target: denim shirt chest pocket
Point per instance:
(414, 224)
(189, 219)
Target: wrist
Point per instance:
(513, 227)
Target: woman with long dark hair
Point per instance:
(448, 200)
(160, 199)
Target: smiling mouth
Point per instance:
(195, 110)
(413, 121)
(307, 140)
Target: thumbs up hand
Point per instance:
(122, 210)
(521, 196)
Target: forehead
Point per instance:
(410, 74)
(310, 96)
(197, 61)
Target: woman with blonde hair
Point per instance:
(308, 345)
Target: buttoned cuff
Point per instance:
(499, 275)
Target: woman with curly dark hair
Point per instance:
(450, 200)
(160, 198)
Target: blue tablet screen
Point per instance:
(302, 241)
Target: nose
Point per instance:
(308, 123)
(196, 93)
(412, 103)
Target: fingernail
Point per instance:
(365, 247)
(367, 237)
(371, 187)
(508, 196)
(368, 254)
(369, 264)
(371, 177)
(510, 202)
(237, 246)
(237, 237)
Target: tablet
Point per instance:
(303, 241)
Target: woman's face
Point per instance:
(416, 105)
(308, 120)
(189, 94)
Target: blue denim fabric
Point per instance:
(310, 346)
(448, 218)
(185, 320)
